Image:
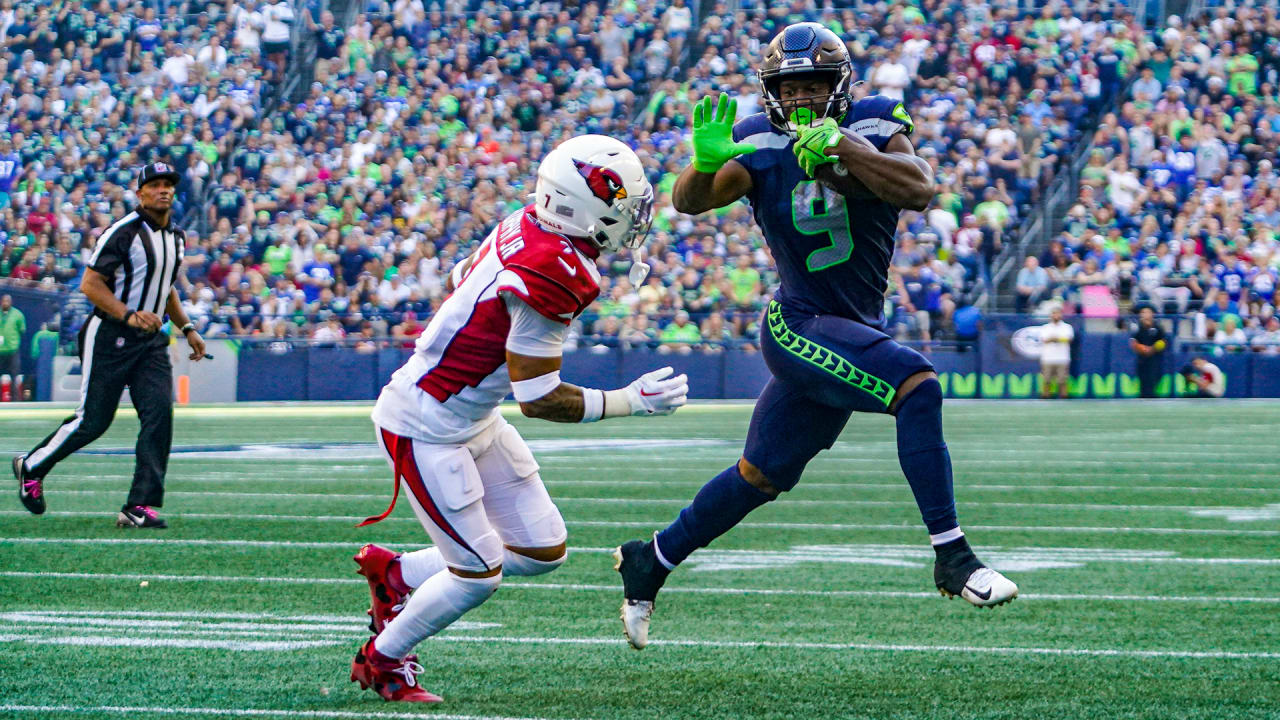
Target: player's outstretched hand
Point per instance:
(656, 393)
(813, 146)
(713, 144)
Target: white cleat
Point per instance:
(986, 588)
(635, 621)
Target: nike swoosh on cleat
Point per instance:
(984, 596)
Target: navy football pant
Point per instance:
(824, 369)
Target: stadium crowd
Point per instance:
(337, 217)
(1179, 203)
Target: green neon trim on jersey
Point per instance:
(825, 359)
(900, 113)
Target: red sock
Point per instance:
(396, 579)
(377, 659)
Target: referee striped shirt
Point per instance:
(140, 261)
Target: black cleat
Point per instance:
(140, 516)
(30, 489)
(960, 572)
(642, 577)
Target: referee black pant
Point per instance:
(113, 356)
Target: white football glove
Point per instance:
(654, 393)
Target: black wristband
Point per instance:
(190, 327)
(127, 314)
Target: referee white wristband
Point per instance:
(534, 388)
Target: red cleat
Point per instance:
(386, 602)
(394, 680)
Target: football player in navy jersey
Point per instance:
(826, 178)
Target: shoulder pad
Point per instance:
(878, 118)
(753, 125)
(545, 269)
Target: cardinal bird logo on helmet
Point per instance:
(604, 183)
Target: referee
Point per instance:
(130, 283)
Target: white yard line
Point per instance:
(673, 501)
(878, 647)
(241, 712)
(147, 642)
(650, 524)
(1140, 557)
(658, 523)
(521, 585)
(694, 483)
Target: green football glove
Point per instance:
(811, 147)
(713, 144)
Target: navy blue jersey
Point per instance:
(832, 253)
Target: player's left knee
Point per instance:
(535, 561)
(921, 389)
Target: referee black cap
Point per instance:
(158, 170)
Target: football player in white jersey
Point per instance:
(471, 479)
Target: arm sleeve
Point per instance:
(532, 333)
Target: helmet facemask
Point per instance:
(782, 113)
(629, 229)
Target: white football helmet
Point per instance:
(594, 187)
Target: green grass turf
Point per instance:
(1107, 491)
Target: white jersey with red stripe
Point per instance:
(450, 388)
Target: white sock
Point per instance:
(946, 537)
(442, 599)
(416, 567)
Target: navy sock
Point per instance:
(718, 506)
(924, 458)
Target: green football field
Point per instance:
(1145, 537)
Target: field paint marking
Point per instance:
(244, 712)
(150, 642)
(691, 590)
(183, 578)
(878, 647)
(1025, 559)
(650, 524)
(773, 644)
(905, 594)
(240, 633)
(1240, 514)
(685, 501)
(879, 486)
(1009, 558)
(353, 546)
(236, 477)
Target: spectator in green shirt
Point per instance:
(41, 334)
(1243, 72)
(12, 326)
(991, 212)
(744, 281)
(680, 336)
(277, 257)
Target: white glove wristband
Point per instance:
(617, 403)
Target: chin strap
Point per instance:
(639, 268)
